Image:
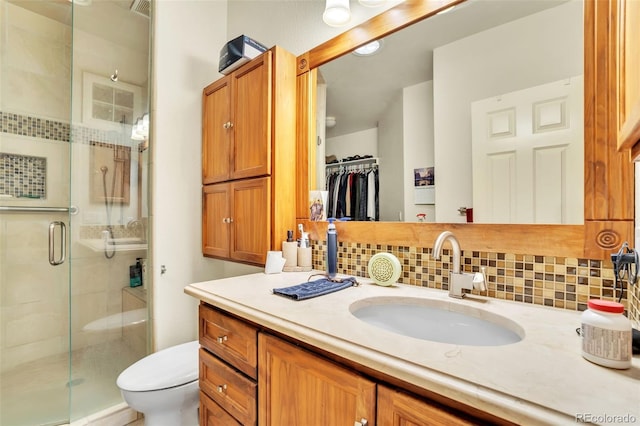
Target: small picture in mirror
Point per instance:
(317, 205)
(424, 176)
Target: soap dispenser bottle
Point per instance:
(332, 249)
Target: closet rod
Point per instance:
(370, 160)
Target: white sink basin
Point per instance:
(438, 321)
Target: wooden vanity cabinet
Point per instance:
(248, 135)
(228, 369)
(250, 376)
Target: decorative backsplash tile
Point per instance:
(559, 282)
(23, 176)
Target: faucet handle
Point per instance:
(480, 279)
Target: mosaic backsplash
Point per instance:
(23, 176)
(559, 282)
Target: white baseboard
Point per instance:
(118, 415)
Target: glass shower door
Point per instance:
(108, 236)
(73, 81)
(34, 199)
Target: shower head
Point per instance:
(114, 76)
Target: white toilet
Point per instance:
(164, 386)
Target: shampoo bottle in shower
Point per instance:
(332, 249)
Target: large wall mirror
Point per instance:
(451, 103)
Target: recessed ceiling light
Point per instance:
(369, 48)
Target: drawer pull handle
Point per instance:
(222, 339)
(222, 388)
(362, 422)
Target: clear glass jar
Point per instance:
(606, 334)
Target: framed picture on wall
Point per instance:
(423, 176)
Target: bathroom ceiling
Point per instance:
(406, 58)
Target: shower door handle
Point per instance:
(52, 241)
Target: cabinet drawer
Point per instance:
(212, 415)
(232, 340)
(229, 388)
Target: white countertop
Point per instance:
(542, 379)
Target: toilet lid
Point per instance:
(168, 368)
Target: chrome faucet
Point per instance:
(458, 280)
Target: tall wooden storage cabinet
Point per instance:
(248, 159)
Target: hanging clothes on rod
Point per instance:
(353, 190)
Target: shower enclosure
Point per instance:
(74, 155)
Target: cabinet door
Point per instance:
(251, 97)
(251, 219)
(216, 218)
(217, 131)
(300, 388)
(400, 409)
(212, 415)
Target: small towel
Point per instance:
(314, 288)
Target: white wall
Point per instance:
(186, 60)
(364, 142)
(390, 151)
(499, 60)
(418, 144)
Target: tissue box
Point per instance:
(237, 52)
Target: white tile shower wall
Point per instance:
(36, 62)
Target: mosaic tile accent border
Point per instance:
(24, 125)
(558, 282)
(23, 176)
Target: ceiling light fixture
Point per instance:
(447, 10)
(369, 48)
(336, 13)
(371, 3)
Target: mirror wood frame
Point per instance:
(609, 174)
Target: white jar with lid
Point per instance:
(606, 334)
